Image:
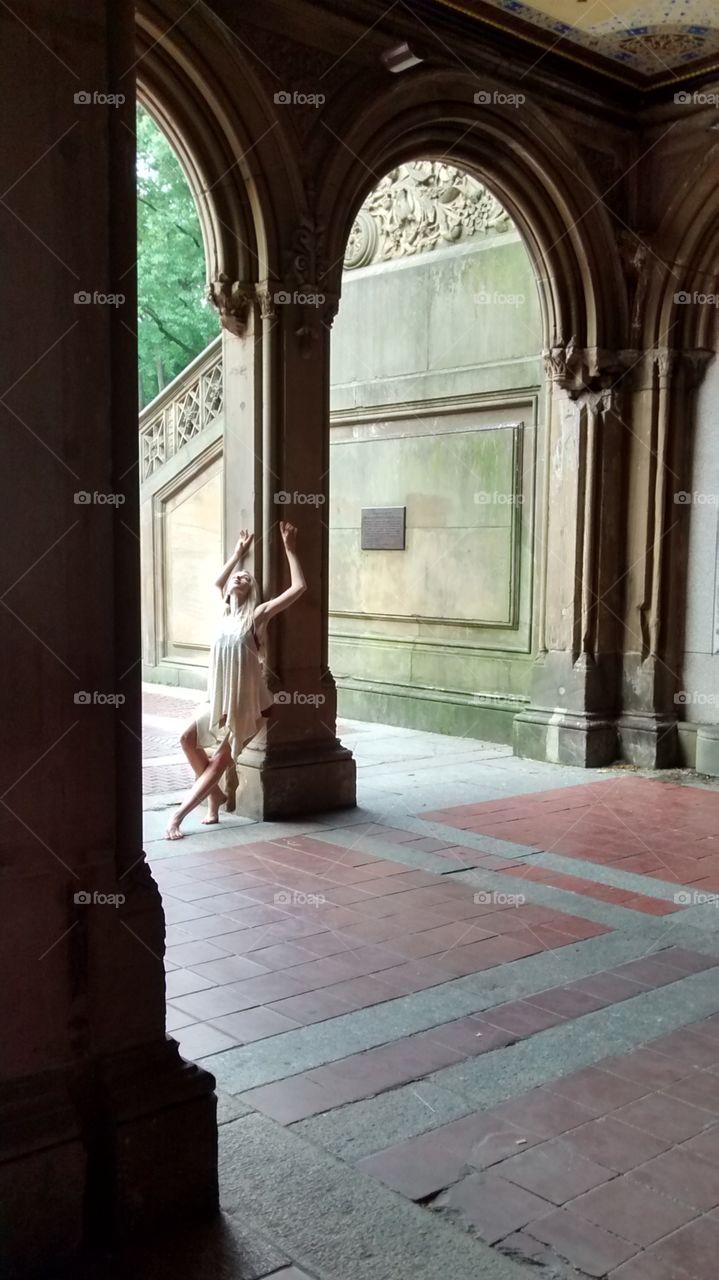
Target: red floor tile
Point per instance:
(655, 1070)
(587, 1246)
(610, 1142)
(495, 1207)
(633, 1211)
(598, 1091)
(692, 1250)
(554, 1171)
(417, 1168)
(682, 1176)
(543, 1113)
(254, 1024)
(522, 1018)
(665, 1117)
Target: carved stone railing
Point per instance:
(182, 411)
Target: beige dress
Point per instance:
(237, 696)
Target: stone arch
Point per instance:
(687, 245)
(229, 159)
(532, 170)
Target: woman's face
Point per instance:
(239, 585)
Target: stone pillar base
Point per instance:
(43, 1162)
(272, 787)
(95, 1156)
(152, 1142)
(707, 760)
(650, 740)
(562, 737)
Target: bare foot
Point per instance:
(213, 808)
(173, 831)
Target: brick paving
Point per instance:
(601, 1166)
(319, 975)
(655, 828)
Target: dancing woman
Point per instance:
(237, 696)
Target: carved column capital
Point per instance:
(266, 299)
(662, 365)
(578, 370)
(233, 300)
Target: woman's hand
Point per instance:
(289, 534)
(244, 542)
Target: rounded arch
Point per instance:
(686, 251)
(534, 173)
(228, 157)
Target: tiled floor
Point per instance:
(489, 1028)
(600, 1166)
(670, 834)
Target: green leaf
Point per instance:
(175, 322)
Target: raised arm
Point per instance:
(242, 546)
(297, 586)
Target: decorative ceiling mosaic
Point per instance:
(655, 39)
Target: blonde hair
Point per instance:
(249, 604)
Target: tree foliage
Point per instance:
(175, 322)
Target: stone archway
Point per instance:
(542, 183)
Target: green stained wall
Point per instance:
(435, 381)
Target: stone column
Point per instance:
(295, 764)
(571, 719)
(664, 384)
(104, 1128)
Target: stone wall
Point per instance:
(435, 388)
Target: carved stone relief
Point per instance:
(421, 206)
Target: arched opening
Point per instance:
(181, 437)
(435, 432)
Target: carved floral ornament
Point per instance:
(588, 370)
(420, 206)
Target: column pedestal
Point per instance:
(288, 784)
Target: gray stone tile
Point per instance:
(335, 1221)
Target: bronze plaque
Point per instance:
(383, 528)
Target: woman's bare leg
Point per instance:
(199, 760)
(201, 790)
